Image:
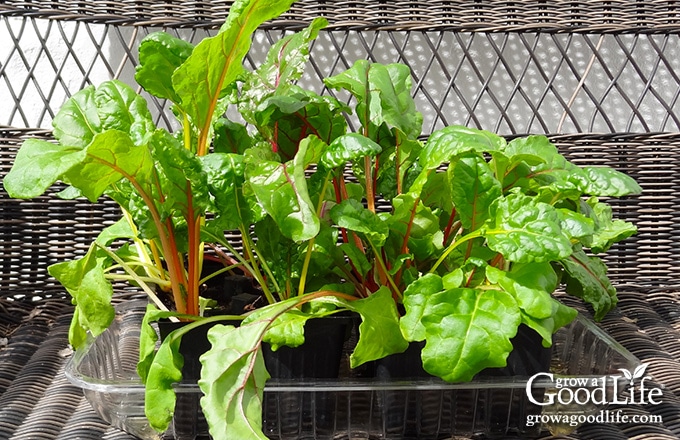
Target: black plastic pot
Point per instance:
(289, 414)
(188, 420)
(437, 414)
(285, 414)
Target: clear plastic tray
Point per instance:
(355, 408)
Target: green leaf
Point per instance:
(231, 137)
(411, 217)
(160, 54)
(348, 148)
(473, 189)
(607, 230)
(77, 335)
(526, 231)
(164, 371)
(281, 189)
(120, 108)
(536, 161)
(530, 284)
(287, 330)
(87, 115)
(455, 140)
(605, 181)
(576, 225)
(232, 381)
(286, 120)
(183, 180)
(91, 292)
(111, 156)
(379, 333)
(560, 316)
(467, 330)
(287, 58)
(586, 278)
(283, 66)
(148, 338)
(352, 215)
(38, 164)
(77, 120)
(357, 258)
(416, 296)
(217, 61)
(383, 94)
(225, 175)
(532, 150)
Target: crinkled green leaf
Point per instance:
(416, 296)
(88, 113)
(537, 164)
(454, 140)
(468, 330)
(576, 225)
(217, 61)
(287, 120)
(160, 54)
(348, 148)
(232, 381)
(225, 175)
(77, 120)
(184, 182)
(607, 230)
(384, 96)
(281, 254)
(560, 316)
(121, 108)
(353, 216)
(283, 66)
(473, 189)
(287, 330)
(586, 278)
(38, 164)
(525, 231)
(111, 156)
(286, 323)
(231, 137)
(533, 150)
(605, 181)
(281, 189)
(531, 284)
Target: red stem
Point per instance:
(449, 226)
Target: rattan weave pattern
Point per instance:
(39, 232)
(647, 322)
(480, 15)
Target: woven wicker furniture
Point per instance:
(601, 78)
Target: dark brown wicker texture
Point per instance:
(602, 78)
(479, 15)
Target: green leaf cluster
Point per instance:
(455, 239)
